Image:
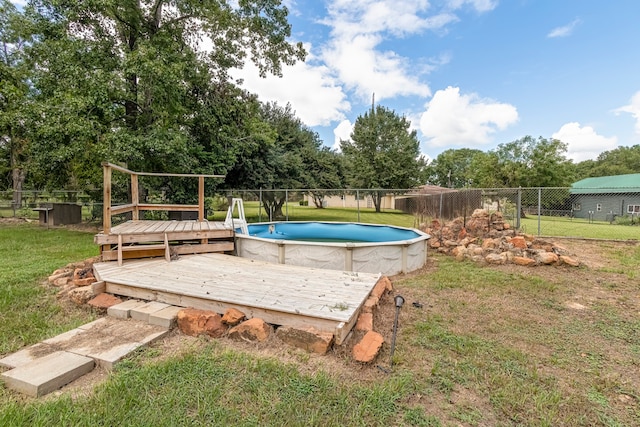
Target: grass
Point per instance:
(490, 346)
(29, 311)
(568, 227)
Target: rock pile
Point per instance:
(488, 238)
(76, 281)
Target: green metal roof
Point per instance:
(629, 183)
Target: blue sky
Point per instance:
(468, 73)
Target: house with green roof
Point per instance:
(605, 197)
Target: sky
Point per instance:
(467, 73)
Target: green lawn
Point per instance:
(29, 311)
(567, 227)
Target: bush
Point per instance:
(304, 203)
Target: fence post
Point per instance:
(358, 203)
(286, 204)
(539, 208)
(440, 215)
(519, 208)
(260, 207)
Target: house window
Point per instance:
(599, 207)
(633, 209)
(577, 206)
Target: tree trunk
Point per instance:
(377, 200)
(17, 177)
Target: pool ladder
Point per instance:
(241, 221)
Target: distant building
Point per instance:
(605, 197)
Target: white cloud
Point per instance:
(479, 5)
(633, 108)
(312, 91)
(365, 70)
(583, 141)
(565, 30)
(342, 132)
(455, 119)
(358, 27)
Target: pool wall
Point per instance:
(388, 258)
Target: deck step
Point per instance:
(48, 373)
(139, 247)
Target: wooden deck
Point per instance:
(279, 294)
(185, 237)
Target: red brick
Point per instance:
(252, 330)
(309, 339)
(368, 348)
(104, 301)
(383, 285)
(194, 322)
(232, 317)
(365, 322)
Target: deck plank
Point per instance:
(286, 293)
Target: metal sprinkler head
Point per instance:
(399, 301)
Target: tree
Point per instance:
(326, 171)
(282, 156)
(620, 161)
(129, 81)
(14, 101)
(529, 162)
(453, 168)
(383, 154)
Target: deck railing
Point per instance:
(135, 206)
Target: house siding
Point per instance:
(615, 204)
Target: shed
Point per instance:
(605, 197)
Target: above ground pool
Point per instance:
(369, 248)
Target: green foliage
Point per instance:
(382, 153)
(125, 81)
(286, 154)
(453, 168)
(620, 161)
(530, 162)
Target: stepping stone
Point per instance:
(123, 310)
(166, 317)
(142, 312)
(48, 373)
(26, 355)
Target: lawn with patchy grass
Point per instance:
(482, 346)
(29, 311)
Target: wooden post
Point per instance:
(201, 216)
(135, 197)
(201, 198)
(106, 199)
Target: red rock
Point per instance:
(194, 322)
(489, 244)
(500, 258)
(61, 281)
(83, 276)
(104, 301)
(81, 295)
(569, 261)
(365, 322)
(309, 339)
(233, 316)
(547, 258)
(368, 348)
(518, 242)
(382, 285)
(527, 262)
(462, 234)
(370, 304)
(252, 330)
(506, 226)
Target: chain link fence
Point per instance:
(588, 213)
